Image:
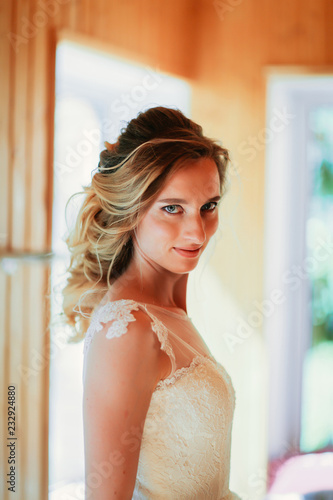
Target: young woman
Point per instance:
(157, 406)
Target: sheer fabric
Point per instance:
(186, 440)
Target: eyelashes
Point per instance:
(211, 204)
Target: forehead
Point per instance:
(195, 176)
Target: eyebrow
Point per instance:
(185, 202)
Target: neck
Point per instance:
(147, 283)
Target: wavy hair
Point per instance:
(129, 177)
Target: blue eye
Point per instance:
(176, 209)
(170, 211)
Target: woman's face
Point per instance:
(179, 224)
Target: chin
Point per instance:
(177, 267)
(183, 269)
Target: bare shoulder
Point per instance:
(126, 346)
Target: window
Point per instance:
(317, 401)
(299, 264)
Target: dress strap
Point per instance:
(116, 315)
(188, 346)
(162, 334)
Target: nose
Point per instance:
(194, 230)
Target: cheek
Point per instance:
(212, 225)
(164, 224)
(155, 228)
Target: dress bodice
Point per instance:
(186, 438)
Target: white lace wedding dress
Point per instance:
(185, 447)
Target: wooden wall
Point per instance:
(222, 47)
(26, 130)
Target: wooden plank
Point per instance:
(22, 335)
(39, 135)
(5, 96)
(19, 322)
(4, 356)
(312, 41)
(17, 329)
(45, 387)
(66, 14)
(105, 22)
(41, 142)
(28, 221)
(11, 352)
(19, 163)
(36, 359)
(49, 67)
(6, 57)
(73, 14)
(97, 27)
(86, 16)
(29, 364)
(328, 30)
(17, 306)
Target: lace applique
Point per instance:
(119, 312)
(162, 335)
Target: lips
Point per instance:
(192, 249)
(187, 252)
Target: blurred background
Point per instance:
(258, 76)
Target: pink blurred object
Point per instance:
(304, 474)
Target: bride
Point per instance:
(157, 406)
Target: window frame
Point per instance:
(288, 332)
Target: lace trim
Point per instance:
(195, 363)
(120, 312)
(180, 372)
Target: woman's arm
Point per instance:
(121, 375)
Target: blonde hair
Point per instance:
(130, 175)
